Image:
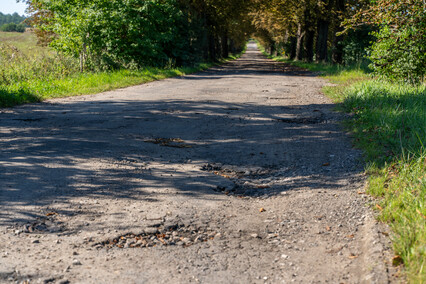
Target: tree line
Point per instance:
(108, 34)
(12, 23)
(391, 34)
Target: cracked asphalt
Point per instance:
(238, 174)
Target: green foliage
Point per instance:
(355, 46)
(399, 52)
(12, 23)
(397, 55)
(107, 34)
(12, 27)
(14, 18)
(115, 34)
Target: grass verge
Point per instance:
(388, 122)
(37, 90)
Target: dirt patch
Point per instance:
(173, 235)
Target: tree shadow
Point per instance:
(105, 150)
(134, 149)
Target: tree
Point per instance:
(108, 34)
(399, 52)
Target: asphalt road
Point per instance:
(239, 174)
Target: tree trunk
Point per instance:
(309, 45)
(321, 50)
(212, 47)
(299, 45)
(293, 43)
(205, 41)
(225, 46)
(337, 54)
(272, 48)
(232, 46)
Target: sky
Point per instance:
(10, 7)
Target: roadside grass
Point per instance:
(388, 122)
(30, 73)
(36, 90)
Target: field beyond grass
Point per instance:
(30, 73)
(388, 122)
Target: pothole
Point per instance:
(252, 182)
(51, 223)
(169, 142)
(173, 236)
(310, 119)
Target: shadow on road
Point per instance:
(130, 149)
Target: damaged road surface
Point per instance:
(239, 174)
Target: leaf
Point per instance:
(263, 186)
(262, 210)
(326, 164)
(420, 213)
(353, 256)
(379, 207)
(51, 213)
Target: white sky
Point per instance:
(10, 7)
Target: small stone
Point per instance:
(75, 253)
(49, 280)
(284, 256)
(255, 236)
(186, 240)
(76, 262)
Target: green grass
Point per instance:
(36, 90)
(30, 73)
(26, 42)
(388, 122)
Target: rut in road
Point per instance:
(239, 174)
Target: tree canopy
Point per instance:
(12, 23)
(114, 34)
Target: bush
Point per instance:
(399, 55)
(12, 27)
